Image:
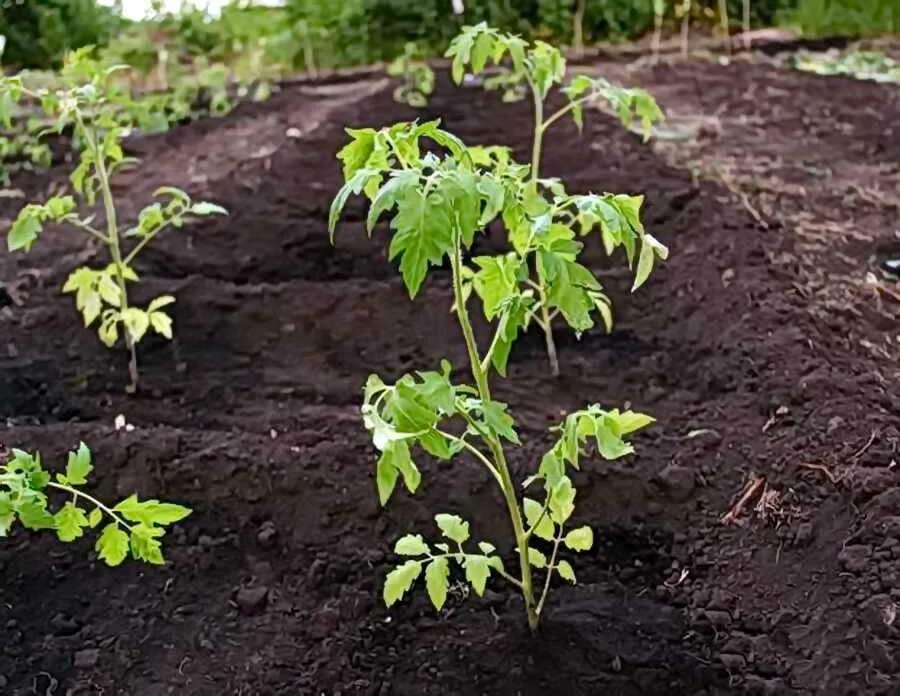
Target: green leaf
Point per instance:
(399, 581)
(629, 421)
(534, 511)
(564, 568)
(24, 230)
(453, 527)
(109, 290)
(486, 547)
(423, 235)
(650, 249)
(204, 208)
(478, 570)
(387, 195)
(386, 476)
(581, 539)
(160, 302)
(562, 500)
(136, 321)
(112, 545)
(411, 545)
(437, 579)
(162, 324)
(355, 154)
(536, 558)
(78, 466)
(151, 512)
(145, 545)
(499, 421)
(70, 522)
(95, 518)
(397, 456)
(33, 514)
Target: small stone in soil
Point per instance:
(251, 600)
(87, 658)
(678, 481)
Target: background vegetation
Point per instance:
(310, 34)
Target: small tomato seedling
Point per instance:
(417, 77)
(94, 112)
(132, 526)
(537, 67)
(438, 203)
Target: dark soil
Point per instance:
(251, 417)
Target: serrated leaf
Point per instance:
(564, 568)
(33, 515)
(112, 545)
(95, 518)
(109, 290)
(453, 527)
(499, 421)
(399, 581)
(424, 235)
(411, 545)
(437, 579)
(537, 558)
(79, 465)
(151, 512)
(486, 547)
(562, 500)
(24, 231)
(145, 544)
(386, 476)
(69, 522)
(136, 321)
(534, 511)
(580, 539)
(478, 570)
(162, 324)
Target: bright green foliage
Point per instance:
(417, 77)
(92, 107)
(133, 526)
(430, 197)
(541, 225)
(541, 67)
(439, 196)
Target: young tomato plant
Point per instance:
(93, 111)
(537, 68)
(438, 203)
(132, 526)
(417, 77)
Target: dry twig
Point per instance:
(753, 487)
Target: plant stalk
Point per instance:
(115, 251)
(493, 442)
(536, 148)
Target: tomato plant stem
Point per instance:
(536, 148)
(115, 251)
(505, 479)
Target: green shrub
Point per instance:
(38, 34)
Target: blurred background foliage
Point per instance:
(312, 34)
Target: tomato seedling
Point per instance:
(93, 111)
(439, 201)
(132, 526)
(416, 77)
(536, 68)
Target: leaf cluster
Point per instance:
(431, 196)
(132, 526)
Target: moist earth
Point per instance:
(766, 353)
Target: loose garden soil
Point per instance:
(768, 360)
